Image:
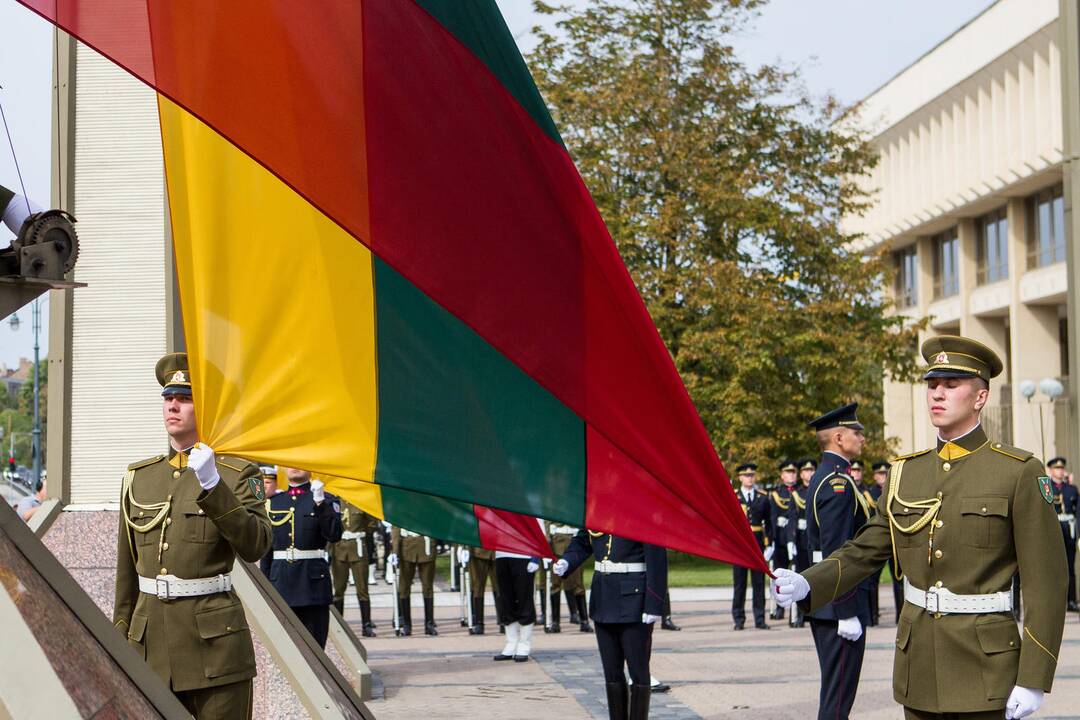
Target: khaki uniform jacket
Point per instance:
(201, 641)
(353, 519)
(992, 521)
(416, 548)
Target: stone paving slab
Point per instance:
(716, 673)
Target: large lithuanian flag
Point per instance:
(391, 271)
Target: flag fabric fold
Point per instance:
(391, 271)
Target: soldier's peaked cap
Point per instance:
(746, 467)
(840, 417)
(172, 374)
(787, 465)
(1057, 462)
(959, 357)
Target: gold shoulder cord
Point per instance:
(931, 506)
(780, 502)
(799, 502)
(282, 517)
(159, 511)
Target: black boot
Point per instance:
(617, 701)
(542, 620)
(477, 616)
(406, 617)
(571, 603)
(583, 614)
(555, 612)
(777, 613)
(429, 616)
(666, 623)
(340, 605)
(366, 627)
(639, 702)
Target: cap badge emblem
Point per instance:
(179, 376)
(941, 359)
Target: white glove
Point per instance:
(649, 619)
(532, 567)
(391, 560)
(769, 551)
(1022, 702)
(387, 526)
(202, 462)
(16, 212)
(790, 587)
(318, 491)
(849, 628)
(791, 551)
(560, 567)
(547, 563)
(463, 555)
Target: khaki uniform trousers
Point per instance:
(340, 569)
(224, 702)
(427, 578)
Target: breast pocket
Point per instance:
(197, 527)
(906, 518)
(984, 521)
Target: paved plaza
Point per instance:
(716, 673)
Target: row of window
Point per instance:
(1045, 246)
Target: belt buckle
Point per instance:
(932, 600)
(290, 554)
(161, 588)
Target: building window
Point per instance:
(1046, 223)
(906, 286)
(992, 251)
(946, 264)
(1063, 343)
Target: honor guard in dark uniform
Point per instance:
(961, 518)
(783, 519)
(305, 520)
(350, 556)
(837, 509)
(755, 505)
(1066, 504)
(628, 588)
(416, 555)
(184, 519)
(572, 583)
(269, 478)
(515, 574)
(481, 564)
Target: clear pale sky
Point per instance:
(848, 47)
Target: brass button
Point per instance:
(937, 554)
(168, 521)
(228, 628)
(164, 571)
(937, 584)
(141, 513)
(201, 511)
(176, 473)
(937, 615)
(997, 445)
(940, 523)
(939, 494)
(168, 498)
(984, 509)
(946, 467)
(164, 546)
(1012, 643)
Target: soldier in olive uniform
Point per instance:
(961, 518)
(571, 583)
(305, 521)
(628, 588)
(416, 555)
(481, 563)
(755, 504)
(1066, 505)
(350, 556)
(782, 520)
(184, 519)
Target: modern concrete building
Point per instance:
(971, 209)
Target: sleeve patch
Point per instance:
(1046, 489)
(256, 486)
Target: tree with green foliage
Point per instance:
(17, 416)
(724, 188)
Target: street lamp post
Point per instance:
(35, 317)
(1051, 388)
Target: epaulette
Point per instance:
(144, 463)
(235, 463)
(910, 455)
(1013, 452)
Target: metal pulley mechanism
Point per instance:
(45, 249)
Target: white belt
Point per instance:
(1066, 517)
(292, 554)
(781, 522)
(607, 567)
(563, 530)
(815, 556)
(167, 587)
(941, 600)
(802, 523)
(408, 533)
(350, 535)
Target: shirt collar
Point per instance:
(966, 444)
